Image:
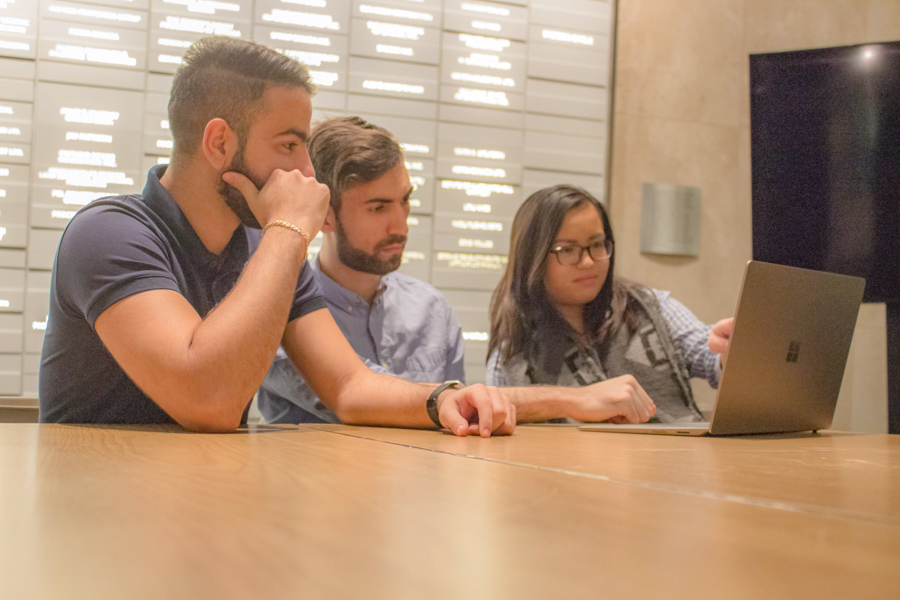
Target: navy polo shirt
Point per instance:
(114, 248)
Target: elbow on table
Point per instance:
(350, 416)
(208, 414)
(344, 397)
(210, 426)
(350, 412)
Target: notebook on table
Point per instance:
(786, 360)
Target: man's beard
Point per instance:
(234, 199)
(363, 262)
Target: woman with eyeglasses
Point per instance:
(560, 317)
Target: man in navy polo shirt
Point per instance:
(169, 306)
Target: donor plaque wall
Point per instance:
(491, 101)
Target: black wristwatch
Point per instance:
(431, 404)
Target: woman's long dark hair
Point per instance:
(521, 310)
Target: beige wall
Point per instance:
(682, 116)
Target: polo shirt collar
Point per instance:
(160, 201)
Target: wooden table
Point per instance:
(333, 511)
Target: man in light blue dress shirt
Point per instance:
(396, 324)
(409, 331)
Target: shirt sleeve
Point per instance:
(308, 296)
(106, 255)
(690, 335)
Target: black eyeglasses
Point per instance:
(571, 254)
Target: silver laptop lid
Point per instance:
(788, 350)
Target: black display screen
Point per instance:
(825, 131)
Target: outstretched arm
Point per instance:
(620, 400)
(360, 397)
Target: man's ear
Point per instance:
(219, 144)
(329, 224)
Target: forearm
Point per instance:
(542, 402)
(357, 395)
(621, 399)
(369, 398)
(230, 350)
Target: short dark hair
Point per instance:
(222, 77)
(349, 151)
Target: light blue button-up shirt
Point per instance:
(409, 331)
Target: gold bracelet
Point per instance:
(281, 223)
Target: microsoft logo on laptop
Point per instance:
(793, 352)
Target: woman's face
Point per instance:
(575, 285)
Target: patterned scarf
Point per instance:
(648, 353)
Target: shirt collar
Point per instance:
(340, 296)
(161, 202)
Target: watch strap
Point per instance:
(431, 403)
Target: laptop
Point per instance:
(791, 337)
